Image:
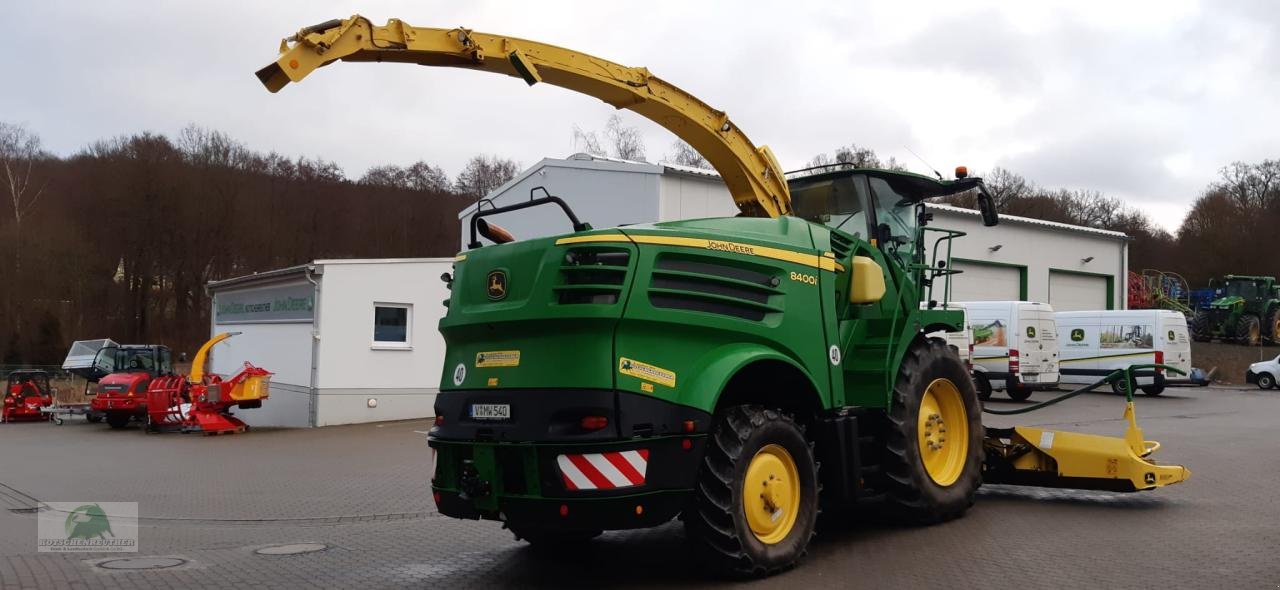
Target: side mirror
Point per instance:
(866, 285)
(988, 207)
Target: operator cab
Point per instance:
(883, 207)
(155, 360)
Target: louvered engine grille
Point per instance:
(711, 286)
(592, 275)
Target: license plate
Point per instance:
(491, 411)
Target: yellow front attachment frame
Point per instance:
(1024, 455)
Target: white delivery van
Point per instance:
(1095, 343)
(961, 342)
(1015, 347)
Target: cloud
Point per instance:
(1143, 99)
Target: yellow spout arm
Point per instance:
(752, 174)
(202, 356)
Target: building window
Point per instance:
(391, 325)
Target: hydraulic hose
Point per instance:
(1126, 374)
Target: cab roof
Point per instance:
(916, 187)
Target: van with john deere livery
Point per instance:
(1015, 347)
(1095, 343)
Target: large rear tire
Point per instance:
(1249, 330)
(1202, 327)
(933, 451)
(756, 497)
(1271, 327)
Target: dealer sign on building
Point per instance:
(288, 303)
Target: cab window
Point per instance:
(836, 202)
(895, 218)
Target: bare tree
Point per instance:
(419, 176)
(587, 142)
(483, 174)
(19, 151)
(685, 155)
(859, 157)
(626, 141)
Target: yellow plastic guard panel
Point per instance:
(255, 387)
(1093, 462)
(866, 281)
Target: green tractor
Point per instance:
(1247, 312)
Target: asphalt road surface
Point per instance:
(352, 502)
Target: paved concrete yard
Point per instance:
(362, 492)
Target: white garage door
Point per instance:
(985, 282)
(1072, 292)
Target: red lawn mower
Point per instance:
(25, 393)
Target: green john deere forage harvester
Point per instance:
(617, 378)
(1248, 312)
(726, 371)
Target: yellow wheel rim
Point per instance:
(771, 494)
(942, 429)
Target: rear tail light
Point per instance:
(439, 421)
(1159, 360)
(1015, 364)
(591, 423)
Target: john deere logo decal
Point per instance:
(88, 522)
(497, 285)
(1077, 335)
(1031, 331)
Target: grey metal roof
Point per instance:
(592, 162)
(265, 276)
(1115, 235)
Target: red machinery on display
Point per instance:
(25, 393)
(201, 401)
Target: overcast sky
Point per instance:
(1144, 100)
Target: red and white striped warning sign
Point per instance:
(603, 471)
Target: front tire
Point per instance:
(1120, 386)
(933, 451)
(756, 497)
(1266, 381)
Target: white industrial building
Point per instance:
(1071, 267)
(347, 340)
(357, 341)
